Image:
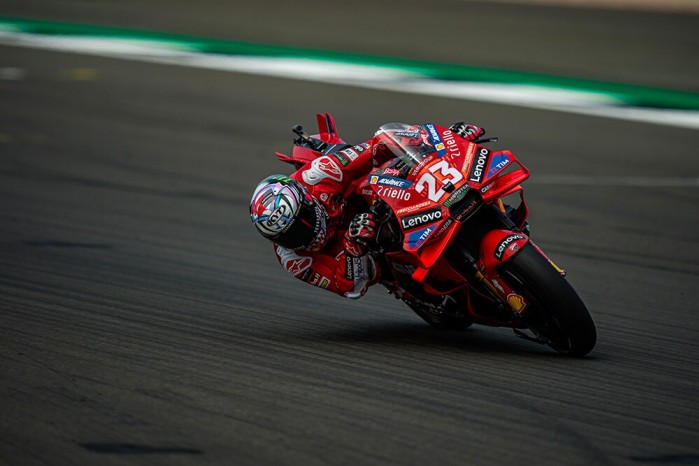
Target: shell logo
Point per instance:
(516, 302)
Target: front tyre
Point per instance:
(555, 312)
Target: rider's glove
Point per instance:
(359, 232)
(468, 132)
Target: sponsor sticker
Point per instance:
(344, 160)
(497, 162)
(479, 164)
(417, 238)
(351, 154)
(353, 249)
(424, 162)
(516, 302)
(436, 139)
(497, 285)
(470, 152)
(408, 134)
(296, 266)
(413, 208)
(322, 168)
(421, 218)
(465, 210)
(293, 263)
(444, 228)
(507, 241)
(314, 279)
(391, 172)
(304, 276)
(456, 196)
(361, 147)
(393, 193)
(486, 188)
(390, 181)
(319, 280)
(452, 145)
(358, 267)
(349, 270)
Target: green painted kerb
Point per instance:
(640, 96)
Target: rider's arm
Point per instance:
(347, 276)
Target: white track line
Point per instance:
(596, 104)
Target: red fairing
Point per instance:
(499, 246)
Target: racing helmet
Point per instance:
(284, 212)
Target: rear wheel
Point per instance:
(555, 312)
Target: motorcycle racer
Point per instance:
(318, 236)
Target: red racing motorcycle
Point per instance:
(447, 242)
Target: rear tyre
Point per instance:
(555, 312)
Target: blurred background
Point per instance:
(144, 320)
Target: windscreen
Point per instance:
(410, 143)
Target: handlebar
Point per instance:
(305, 140)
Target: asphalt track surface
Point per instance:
(145, 322)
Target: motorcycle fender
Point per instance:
(498, 246)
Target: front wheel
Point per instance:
(555, 312)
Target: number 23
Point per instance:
(429, 181)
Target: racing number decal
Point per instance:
(429, 181)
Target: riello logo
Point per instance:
(421, 218)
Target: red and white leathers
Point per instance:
(327, 265)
